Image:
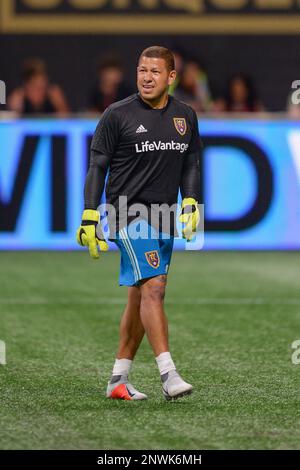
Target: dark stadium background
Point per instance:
(270, 59)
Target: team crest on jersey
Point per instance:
(153, 258)
(180, 125)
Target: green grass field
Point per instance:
(233, 318)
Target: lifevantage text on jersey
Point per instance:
(151, 146)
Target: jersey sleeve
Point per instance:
(106, 136)
(190, 177)
(195, 143)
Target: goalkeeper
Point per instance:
(150, 144)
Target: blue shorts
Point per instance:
(144, 257)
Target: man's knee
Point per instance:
(154, 288)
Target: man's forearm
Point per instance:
(190, 180)
(95, 180)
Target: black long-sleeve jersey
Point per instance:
(151, 153)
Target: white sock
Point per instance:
(122, 367)
(165, 363)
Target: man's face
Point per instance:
(111, 75)
(36, 88)
(153, 77)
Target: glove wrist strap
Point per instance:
(90, 215)
(189, 201)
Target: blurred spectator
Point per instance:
(110, 86)
(179, 61)
(193, 87)
(240, 96)
(36, 95)
(293, 109)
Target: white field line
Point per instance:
(192, 301)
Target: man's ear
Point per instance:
(172, 77)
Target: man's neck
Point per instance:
(160, 103)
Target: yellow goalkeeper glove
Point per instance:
(190, 216)
(87, 236)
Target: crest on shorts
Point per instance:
(180, 125)
(153, 258)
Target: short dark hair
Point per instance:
(32, 67)
(110, 61)
(160, 52)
